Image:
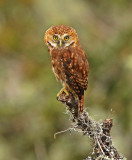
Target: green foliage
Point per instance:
(29, 111)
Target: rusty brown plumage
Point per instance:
(69, 61)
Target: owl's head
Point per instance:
(61, 36)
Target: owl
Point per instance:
(69, 61)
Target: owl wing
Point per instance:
(76, 69)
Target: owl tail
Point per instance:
(80, 104)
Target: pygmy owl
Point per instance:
(69, 61)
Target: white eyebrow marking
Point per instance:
(64, 35)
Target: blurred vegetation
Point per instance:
(29, 111)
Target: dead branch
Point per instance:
(103, 148)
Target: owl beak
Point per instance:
(60, 43)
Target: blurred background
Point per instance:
(29, 111)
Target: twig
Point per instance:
(69, 129)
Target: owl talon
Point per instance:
(61, 91)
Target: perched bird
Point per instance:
(69, 61)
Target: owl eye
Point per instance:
(55, 37)
(66, 38)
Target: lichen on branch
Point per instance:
(99, 132)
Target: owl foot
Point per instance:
(61, 91)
